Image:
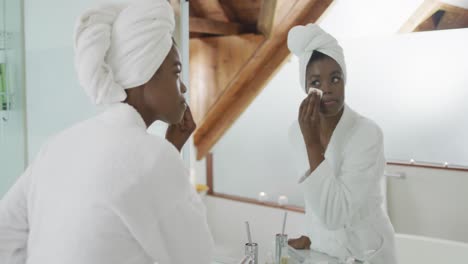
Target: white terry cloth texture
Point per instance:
(304, 40)
(121, 46)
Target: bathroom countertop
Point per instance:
(312, 257)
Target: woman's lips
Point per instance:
(329, 102)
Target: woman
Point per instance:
(341, 158)
(105, 191)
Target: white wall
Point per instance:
(254, 155)
(367, 17)
(429, 202)
(413, 86)
(54, 98)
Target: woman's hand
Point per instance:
(309, 119)
(300, 243)
(178, 134)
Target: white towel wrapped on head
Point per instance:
(121, 46)
(304, 40)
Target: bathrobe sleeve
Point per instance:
(336, 195)
(165, 214)
(14, 224)
(14, 221)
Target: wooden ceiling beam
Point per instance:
(194, 10)
(206, 26)
(214, 61)
(197, 8)
(424, 11)
(266, 17)
(210, 9)
(246, 11)
(226, 6)
(436, 15)
(454, 17)
(253, 75)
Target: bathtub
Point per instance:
(418, 249)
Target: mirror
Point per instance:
(412, 85)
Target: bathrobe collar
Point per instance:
(341, 133)
(123, 114)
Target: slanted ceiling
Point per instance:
(436, 15)
(236, 47)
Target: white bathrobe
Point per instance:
(105, 192)
(343, 195)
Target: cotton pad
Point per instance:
(319, 92)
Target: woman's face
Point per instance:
(163, 94)
(325, 74)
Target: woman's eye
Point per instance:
(336, 79)
(315, 84)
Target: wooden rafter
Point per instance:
(454, 17)
(436, 15)
(227, 7)
(209, 9)
(267, 17)
(212, 27)
(253, 75)
(214, 62)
